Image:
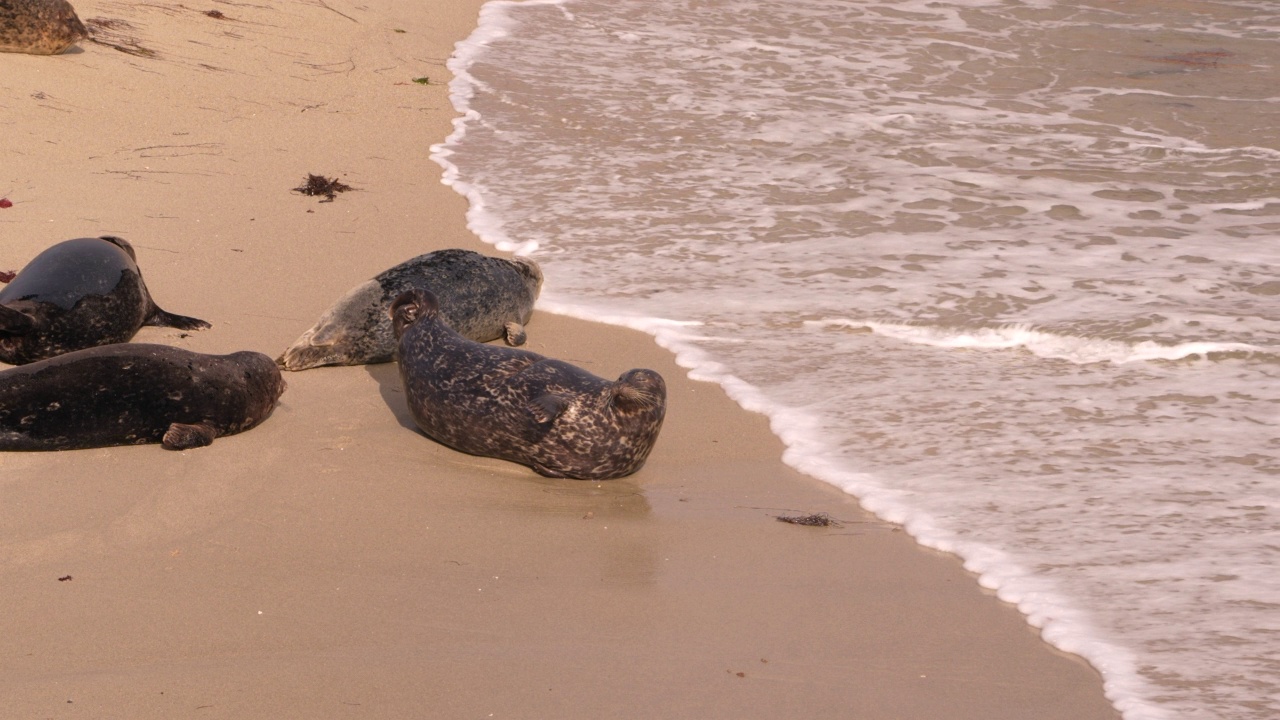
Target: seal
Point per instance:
(517, 405)
(39, 27)
(482, 297)
(135, 393)
(78, 294)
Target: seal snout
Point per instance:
(639, 390)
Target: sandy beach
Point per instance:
(335, 563)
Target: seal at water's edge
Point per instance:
(482, 297)
(39, 27)
(78, 294)
(516, 405)
(135, 393)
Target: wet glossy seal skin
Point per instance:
(39, 27)
(135, 393)
(516, 405)
(78, 294)
(482, 297)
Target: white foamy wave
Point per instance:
(1076, 182)
(1079, 350)
(1047, 607)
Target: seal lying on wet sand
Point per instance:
(39, 27)
(482, 297)
(78, 294)
(135, 393)
(516, 405)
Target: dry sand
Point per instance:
(333, 562)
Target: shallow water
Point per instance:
(1005, 271)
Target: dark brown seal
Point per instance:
(482, 297)
(135, 393)
(39, 27)
(78, 294)
(516, 405)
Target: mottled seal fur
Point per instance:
(516, 405)
(39, 27)
(482, 297)
(135, 393)
(78, 294)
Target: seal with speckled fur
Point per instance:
(39, 27)
(516, 405)
(135, 393)
(78, 294)
(482, 297)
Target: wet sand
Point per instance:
(336, 563)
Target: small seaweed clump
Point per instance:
(321, 185)
(815, 520)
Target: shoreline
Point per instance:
(333, 561)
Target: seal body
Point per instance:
(39, 27)
(516, 405)
(78, 294)
(135, 393)
(482, 297)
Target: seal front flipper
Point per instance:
(15, 322)
(160, 318)
(546, 408)
(182, 436)
(515, 333)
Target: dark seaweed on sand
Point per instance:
(321, 185)
(815, 520)
(6, 276)
(115, 34)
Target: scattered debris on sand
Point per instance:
(117, 35)
(815, 520)
(321, 185)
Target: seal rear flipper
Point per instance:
(15, 322)
(515, 334)
(182, 436)
(160, 318)
(545, 471)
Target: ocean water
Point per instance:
(1005, 271)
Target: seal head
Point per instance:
(135, 393)
(39, 27)
(78, 294)
(484, 298)
(516, 405)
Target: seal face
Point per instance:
(78, 294)
(516, 405)
(482, 297)
(39, 27)
(135, 393)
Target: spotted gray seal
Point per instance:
(78, 294)
(482, 297)
(135, 393)
(39, 27)
(516, 405)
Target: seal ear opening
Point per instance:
(638, 390)
(15, 322)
